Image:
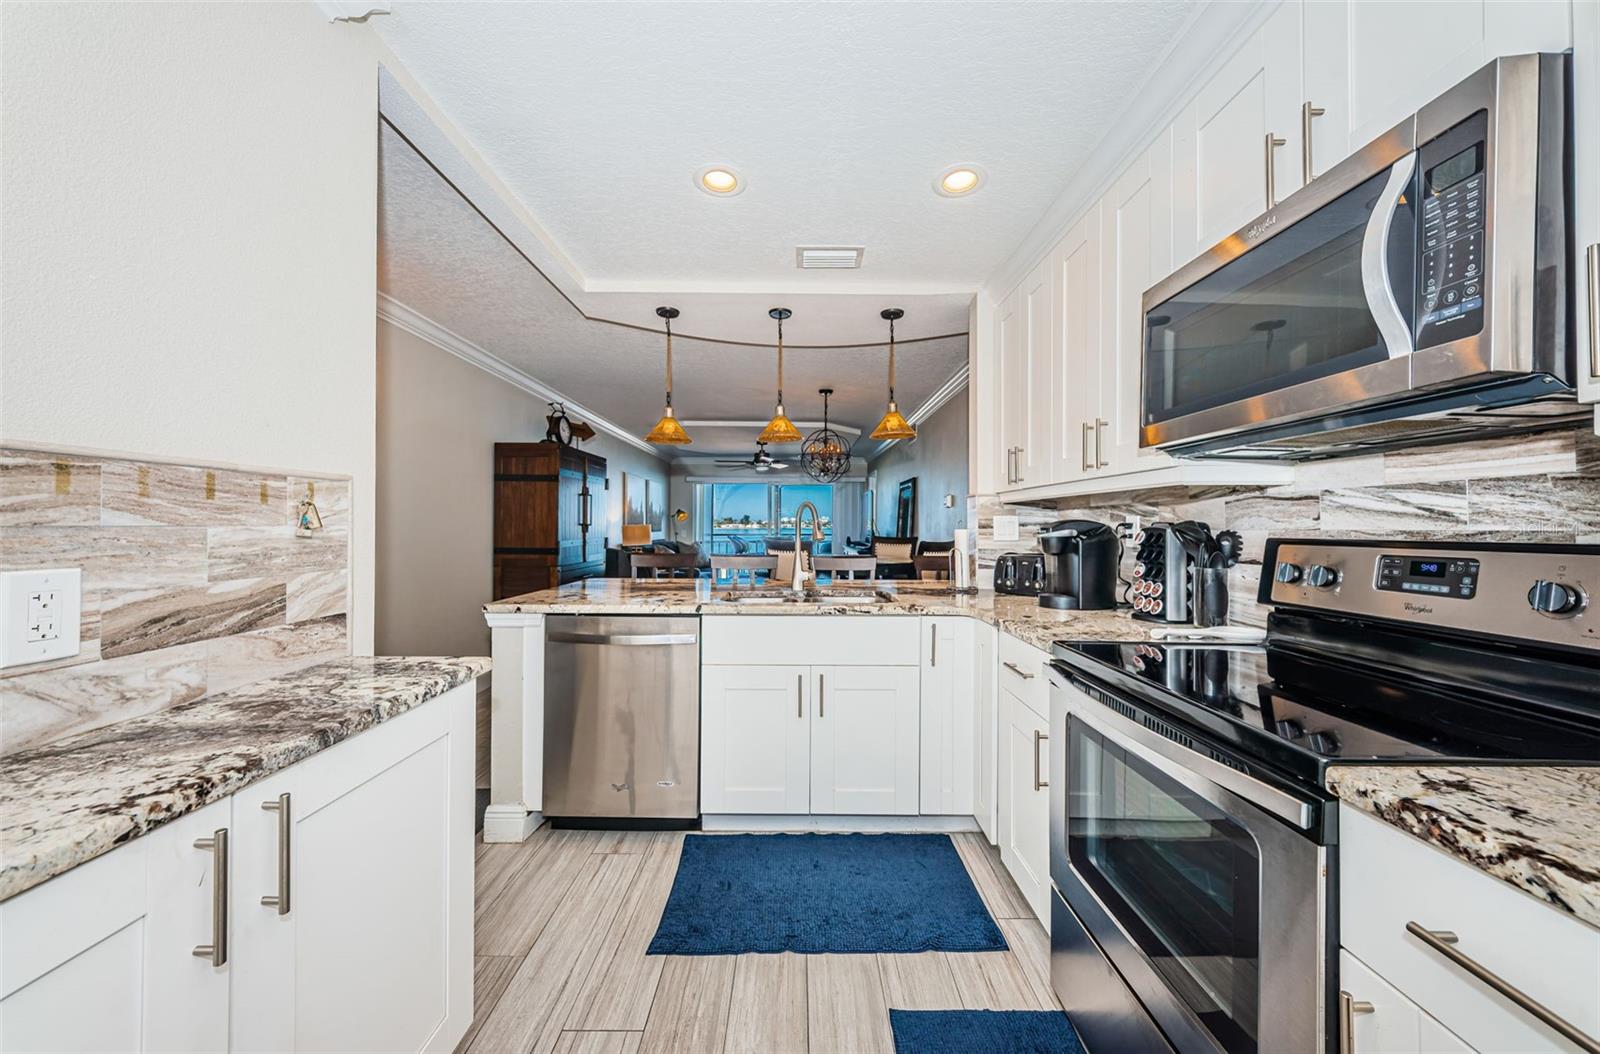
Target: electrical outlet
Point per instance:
(39, 615)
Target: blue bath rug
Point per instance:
(991, 1031)
(819, 893)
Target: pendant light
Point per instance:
(894, 425)
(826, 455)
(668, 431)
(780, 429)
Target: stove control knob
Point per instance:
(1288, 573)
(1555, 598)
(1322, 577)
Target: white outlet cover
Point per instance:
(1007, 528)
(17, 588)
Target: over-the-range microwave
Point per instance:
(1419, 292)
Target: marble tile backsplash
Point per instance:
(193, 582)
(1542, 488)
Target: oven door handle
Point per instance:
(1376, 280)
(1191, 768)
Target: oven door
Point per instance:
(1210, 902)
(1307, 310)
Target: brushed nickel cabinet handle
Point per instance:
(1039, 783)
(822, 708)
(1444, 941)
(1018, 670)
(217, 950)
(1019, 464)
(1088, 463)
(1273, 142)
(1594, 309)
(1099, 436)
(933, 644)
(800, 695)
(1307, 112)
(285, 825)
(1349, 1007)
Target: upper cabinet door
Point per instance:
(1586, 127)
(1136, 235)
(1240, 133)
(1038, 409)
(1075, 330)
(1013, 380)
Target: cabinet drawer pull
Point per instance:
(1099, 435)
(1444, 941)
(933, 645)
(1088, 462)
(1349, 1007)
(1019, 465)
(1018, 670)
(1039, 783)
(800, 695)
(217, 950)
(1273, 142)
(822, 708)
(285, 825)
(1307, 112)
(1594, 309)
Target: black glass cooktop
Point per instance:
(1301, 711)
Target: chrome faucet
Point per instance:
(799, 552)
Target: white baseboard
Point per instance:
(509, 823)
(861, 824)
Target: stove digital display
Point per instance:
(1433, 575)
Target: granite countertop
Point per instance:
(1531, 827)
(68, 802)
(1022, 617)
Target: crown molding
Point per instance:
(420, 325)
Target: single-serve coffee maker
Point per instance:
(1080, 566)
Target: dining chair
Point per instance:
(733, 566)
(655, 563)
(846, 565)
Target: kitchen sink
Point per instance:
(810, 596)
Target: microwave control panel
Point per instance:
(1452, 261)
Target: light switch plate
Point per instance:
(39, 615)
(1007, 528)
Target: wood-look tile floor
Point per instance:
(561, 926)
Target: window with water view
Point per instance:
(748, 514)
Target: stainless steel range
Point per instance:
(1194, 849)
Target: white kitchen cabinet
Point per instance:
(1073, 399)
(1024, 802)
(1545, 953)
(1136, 253)
(755, 727)
(949, 723)
(374, 951)
(985, 793)
(1223, 158)
(1025, 378)
(803, 739)
(102, 958)
(1388, 1022)
(1365, 70)
(864, 753)
(1586, 187)
(1011, 389)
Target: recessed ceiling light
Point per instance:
(958, 181)
(719, 182)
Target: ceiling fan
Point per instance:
(761, 461)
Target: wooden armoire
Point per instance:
(549, 516)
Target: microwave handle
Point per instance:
(1376, 281)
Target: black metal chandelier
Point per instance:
(825, 455)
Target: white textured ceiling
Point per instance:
(597, 116)
(440, 258)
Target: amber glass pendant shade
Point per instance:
(894, 425)
(780, 429)
(668, 432)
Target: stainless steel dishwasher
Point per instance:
(622, 720)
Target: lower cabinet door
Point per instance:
(755, 728)
(1388, 1022)
(1025, 802)
(864, 740)
(102, 958)
(364, 855)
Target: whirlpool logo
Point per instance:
(1257, 230)
(1419, 609)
